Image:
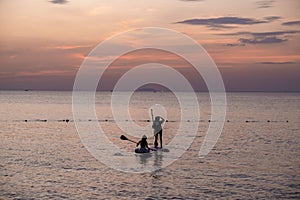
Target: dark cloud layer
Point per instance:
(277, 63)
(262, 40)
(59, 1)
(227, 22)
(265, 3)
(291, 23)
(262, 37)
(263, 34)
(272, 18)
(234, 44)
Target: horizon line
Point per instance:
(158, 91)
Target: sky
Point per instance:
(255, 44)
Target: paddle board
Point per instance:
(141, 150)
(161, 149)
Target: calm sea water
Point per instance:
(257, 155)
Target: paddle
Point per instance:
(123, 137)
(152, 115)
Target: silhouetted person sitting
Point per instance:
(158, 121)
(144, 145)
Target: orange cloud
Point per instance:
(68, 47)
(43, 73)
(77, 56)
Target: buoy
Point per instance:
(268, 121)
(247, 121)
(67, 120)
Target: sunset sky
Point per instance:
(255, 44)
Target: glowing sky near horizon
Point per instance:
(255, 44)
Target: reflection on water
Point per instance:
(154, 157)
(254, 159)
(143, 158)
(158, 159)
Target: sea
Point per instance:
(44, 156)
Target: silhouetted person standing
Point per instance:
(158, 121)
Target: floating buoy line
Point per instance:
(147, 120)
